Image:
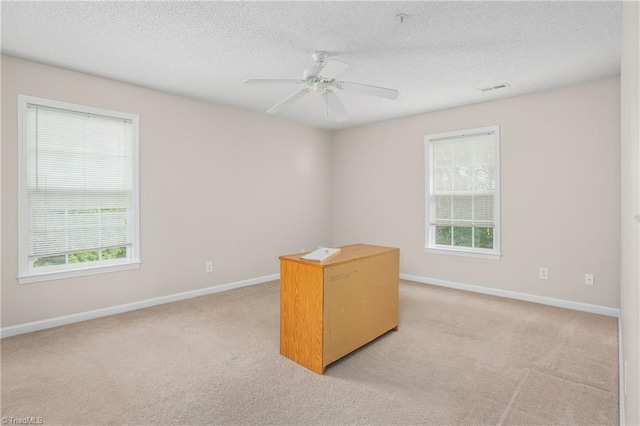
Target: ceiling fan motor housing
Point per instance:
(311, 74)
(321, 79)
(320, 56)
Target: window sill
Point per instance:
(465, 253)
(49, 276)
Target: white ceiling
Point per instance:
(438, 58)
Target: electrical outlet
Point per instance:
(209, 266)
(543, 272)
(588, 279)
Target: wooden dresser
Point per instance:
(330, 309)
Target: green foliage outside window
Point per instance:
(85, 256)
(462, 236)
(114, 253)
(39, 262)
(465, 236)
(483, 237)
(443, 235)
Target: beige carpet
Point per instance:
(458, 359)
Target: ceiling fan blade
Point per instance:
(333, 68)
(272, 81)
(335, 109)
(367, 90)
(288, 101)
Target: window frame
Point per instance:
(430, 245)
(26, 273)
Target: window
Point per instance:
(78, 190)
(463, 198)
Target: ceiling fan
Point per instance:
(321, 78)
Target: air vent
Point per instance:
(496, 87)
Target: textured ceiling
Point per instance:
(440, 57)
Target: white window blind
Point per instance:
(462, 203)
(464, 181)
(78, 187)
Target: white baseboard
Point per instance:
(621, 381)
(577, 306)
(103, 312)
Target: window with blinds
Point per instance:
(463, 192)
(78, 189)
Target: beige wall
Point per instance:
(630, 283)
(255, 188)
(269, 187)
(560, 192)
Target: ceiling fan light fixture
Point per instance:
(320, 86)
